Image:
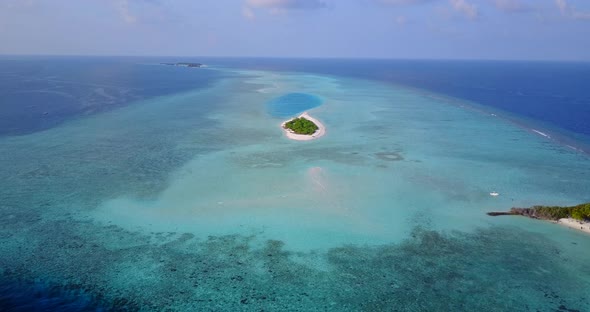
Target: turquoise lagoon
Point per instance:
(195, 201)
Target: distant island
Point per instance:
(303, 128)
(577, 217)
(183, 64)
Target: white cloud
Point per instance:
(570, 11)
(9, 4)
(562, 5)
(286, 4)
(248, 13)
(403, 2)
(277, 7)
(581, 15)
(465, 8)
(512, 6)
(122, 7)
(143, 11)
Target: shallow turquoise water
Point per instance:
(196, 201)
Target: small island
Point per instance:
(303, 128)
(576, 217)
(300, 125)
(185, 64)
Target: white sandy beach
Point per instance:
(575, 224)
(304, 137)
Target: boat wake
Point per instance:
(541, 133)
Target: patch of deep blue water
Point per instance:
(20, 296)
(292, 104)
(553, 93)
(38, 93)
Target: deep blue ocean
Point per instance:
(38, 93)
(553, 93)
(42, 93)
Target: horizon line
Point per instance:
(300, 57)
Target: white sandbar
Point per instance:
(305, 137)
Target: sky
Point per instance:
(417, 29)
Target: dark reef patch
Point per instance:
(389, 156)
(290, 154)
(494, 269)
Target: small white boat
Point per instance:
(494, 194)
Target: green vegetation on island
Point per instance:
(301, 125)
(580, 212)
